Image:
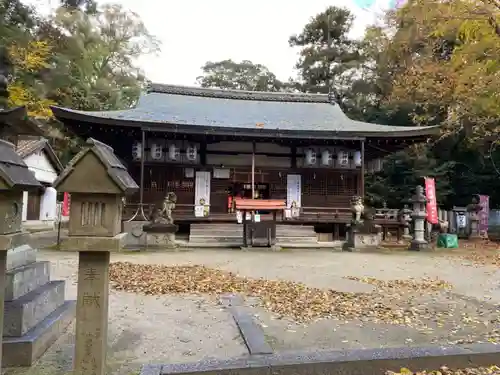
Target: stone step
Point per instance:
(296, 234)
(22, 280)
(212, 231)
(214, 245)
(26, 312)
(20, 256)
(25, 350)
(202, 239)
(297, 239)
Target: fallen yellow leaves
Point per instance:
(492, 370)
(284, 298)
(483, 257)
(424, 284)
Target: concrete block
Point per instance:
(20, 256)
(25, 350)
(26, 312)
(25, 279)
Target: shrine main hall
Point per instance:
(212, 146)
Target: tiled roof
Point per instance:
(114, 167)
(13, 171)
(169, 105)
(28, 146)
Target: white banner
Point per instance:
(202, 194)
(293, 190)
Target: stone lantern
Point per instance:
(418, 217)
(405, 219)
(473, 210)
(97, 182)
(15, 177)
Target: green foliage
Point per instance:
(329, 59)
(244, 75)
(95, 67)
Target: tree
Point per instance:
(446, 59)
(329, 59)
(88, 6)
(26, 88)
(244, 75)
(94, 64)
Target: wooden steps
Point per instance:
(231, 235)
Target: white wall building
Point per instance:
(41, 159)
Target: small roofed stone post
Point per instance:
(473, 210)
(418, 217)
(97, 182)
(15, 177)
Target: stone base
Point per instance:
(25, 350)
(35, 312)
(261, 248)
(136, 237)
(161, 240)
(474, 237)
(358, 241)
(418, 245)
(161, 228)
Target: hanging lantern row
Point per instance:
(327, 158)
(173, 154)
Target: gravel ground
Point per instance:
(149, 329)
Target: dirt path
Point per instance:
(160, 329)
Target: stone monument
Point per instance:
(418, 218)
(94, 232)
(473, 210)
(362, 232)
(35, 313)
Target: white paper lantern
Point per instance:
(156, 152)
(326, 158)
(137, 151)
(173, 153)
(343, 158)
(357, 158)
(191, 153)
(311, 157)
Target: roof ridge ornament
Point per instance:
(239, 94)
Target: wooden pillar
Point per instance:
(362, 172)
(92, 313)
(253, 169)
(3, 265)
(143, 156)
(203, 153)
(294, 157)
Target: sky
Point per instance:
(195, 31)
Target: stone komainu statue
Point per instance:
(357, 208)
(163, 215)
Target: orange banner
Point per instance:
(430, 194)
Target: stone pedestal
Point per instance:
(35, 312)
(474, 226)
(160, 235)
(360, 240)
(136, 237)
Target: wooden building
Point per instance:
(209, 146)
